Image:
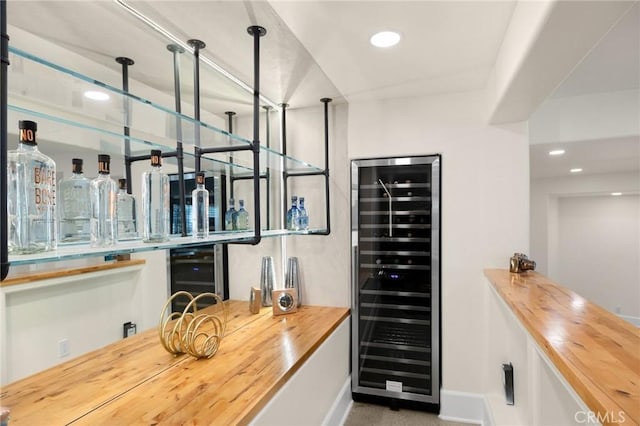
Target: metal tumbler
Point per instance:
(292, 277)
(267, 280)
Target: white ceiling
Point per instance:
(317, 49)
(445, 46)
(612, 65)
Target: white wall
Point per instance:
(485, 204)
(324, 261)
(544, 209)
(599, 250)
(87, 310)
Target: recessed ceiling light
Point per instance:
(576, 170)
(96, 95)
(556, 152)
(615, 194)
(385, 39)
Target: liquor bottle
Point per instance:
(155, 201)
(200, 209)
(292, 214)
(243, 217)
(127, 217)
(231, 217)
(104, 206)
(31, 195)
(74, 206)
(303, 217)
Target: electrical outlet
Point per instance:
(63, 348)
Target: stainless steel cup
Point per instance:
(292, 277)
(267, 280)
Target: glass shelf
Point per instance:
(42, 90)
(79, 251)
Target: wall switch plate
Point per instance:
(128, 329)
(507, 370)
(64, 348)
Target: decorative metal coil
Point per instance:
(198, 335)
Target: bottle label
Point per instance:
(28, 136)
(103, 167)
(45, 186)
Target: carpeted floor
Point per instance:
(362, 414)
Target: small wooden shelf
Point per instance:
(31, 277)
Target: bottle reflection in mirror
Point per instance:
(104, 214)
(231, 217)
(127, 218)
(293, 214)
(31, 195)
(303, 218)
(200, 208)
(155, 201)
(74, 206)
(243, 217)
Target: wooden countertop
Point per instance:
(135, 381)
(597, 352)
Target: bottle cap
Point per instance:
(28, 131)
(200, 178)
(156, 157)
(103, 164)
(122, 183)
(76, 165)
(28, 125)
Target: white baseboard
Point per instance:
(340, 408)
(464, 407)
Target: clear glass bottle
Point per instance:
(292, 214)
(231, 217)
(104, 206)
(200, 209)
(303, 217)
(31, 195)
(243, 217)
(74, 206)
(155, 201)
(127, 213)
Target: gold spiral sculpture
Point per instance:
(199, 335)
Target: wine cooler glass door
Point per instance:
(396, 285)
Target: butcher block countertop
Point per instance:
(135, 381)
(597, 352)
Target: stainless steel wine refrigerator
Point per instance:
(395, 322)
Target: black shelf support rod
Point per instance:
(326, 101)
(256, 32)
(4, 53)
(285, 173)
(126, 63)
(230, 115)
(324, 172)
(176, 50)
(197, 45)
(267, 174)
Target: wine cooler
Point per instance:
(395, 223)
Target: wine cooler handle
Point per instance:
(388, 196)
